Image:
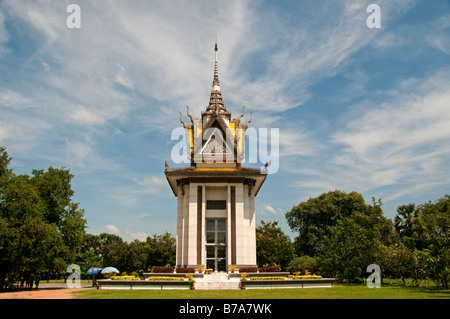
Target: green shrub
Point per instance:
(301, 264)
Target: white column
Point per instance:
(228, 225)
(252, 230)
(240, 232)
(203, 252)
(185, 225)
(192, 226)
(179, 238)
(246, 222)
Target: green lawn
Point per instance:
(340, 291)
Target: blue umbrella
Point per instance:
(93, 271)
(109, 270)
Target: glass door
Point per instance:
(216, 244)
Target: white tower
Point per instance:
(216, 196)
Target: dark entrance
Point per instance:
(216, 244)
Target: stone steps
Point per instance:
(217, 285)
(216, 281)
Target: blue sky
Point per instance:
(358, 108)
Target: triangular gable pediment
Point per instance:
(220, 123)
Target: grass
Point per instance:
(339, 291)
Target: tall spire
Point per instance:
(216, 85)
(216, 104)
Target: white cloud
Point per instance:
(296, 142)
(131, 235)
(151, 51)
(151, 181)
(145, 186)
(112, 229)
(126, 235)
(81, 114)
(122, 78)
(441, 41)
(269, 209)
(388, 40)
(22, 134)
(404, 141)
(79, 151)
(79, 98)
(3, 34)
(13, 99)
(394, 147)
(407, 121)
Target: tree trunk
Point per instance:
(2, 281)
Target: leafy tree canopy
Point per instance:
(312, 219)
(273, 247)
(41, 228)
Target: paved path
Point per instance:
(49, 291)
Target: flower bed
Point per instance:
(269, 269)
(260, 274)
(272, 283)
(283, 280)
(267, 278)
(165, 270)
(248, 269)
(306, 277)
(143, 284)
(148, 275)
(260, 269)
(166, 278)
(124, 278)
(185, 270)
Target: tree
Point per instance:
(40, 226)
(405, 223)
(162, 250)
(355, 242)
(55, 190)
(272, 245)
(398, 260)
(72, 229)
(137, 256)
(4, 171)
(28, 242)
(305, 263)
(313, 219)
(434, 230)
(114, 251)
